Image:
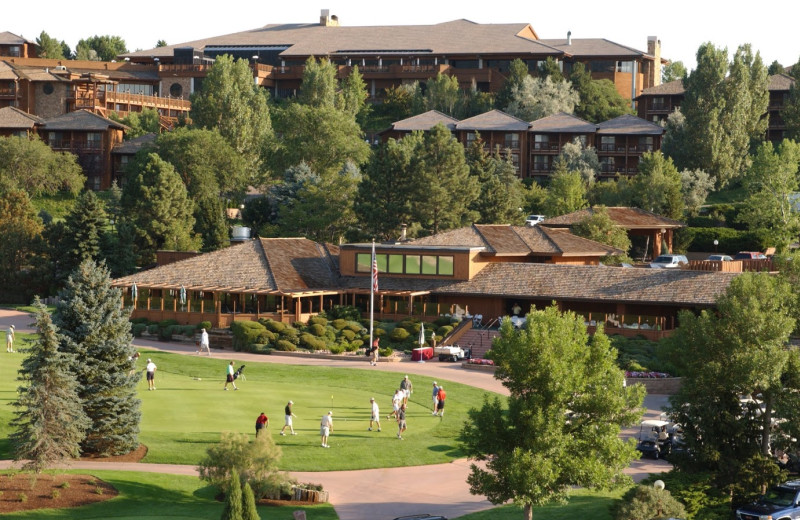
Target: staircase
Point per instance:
(479, 340)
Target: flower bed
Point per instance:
(647, 375)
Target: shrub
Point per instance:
(165, 333)
(351, 346)
(354, 326)
(246, 333)
(22, 497)
(285, 346)
(139, 320)
(339, 324)
(399, 334)
(730, 240)
(152, 329)
(408, 324)
(379, 332)
(345, 312)
(444, 330)
(166, 323)
(188, 330)
(138, 329)
(54, 494)
(318, 320)
(256, 463)
(649, 502)
(317, 329)
(311, 342)
(290, 334)
(349, 335)
(98, 490)
(336, 348)
(274, 326)
(356, 344)
(204, 325)
(442, 320)
(385, 352)
(64, 485)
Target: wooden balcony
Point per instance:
(8, 92)
(187, 70)
(109, 100)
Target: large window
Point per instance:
(624, 66)
(607, 143)
(541, 142)
(135, 88)
(434, 265)
(511, 141)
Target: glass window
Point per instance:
(471, 137)
(363, 261)
(413, 264)
(381, 260)
(540, 141)
(512, 141)
(446, 265)
(395, 263)
(602, 66)
(93, 140)
(624, 66)
(428, 264)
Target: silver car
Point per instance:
(669, 261)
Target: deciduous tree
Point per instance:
(95, 338)
(566, 192)
(33, 166)
(442, 93)
(599, 99)
(51, 48)
(49, 422)
(319, 86)
(566, 398)
(101, 48)
(657, 188)
(139, 123)
(21, 230)
(674, 70)
(599, 227)
(536, 98)
(576, 156)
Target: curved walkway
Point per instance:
(439, 489)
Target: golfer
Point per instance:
(10, 339)
(288, 418)
(407, 388)
(376, 415)
(204, 344)
(435, 397)
(229, 378)
(325, 428)
(151, 374)
(262, 421)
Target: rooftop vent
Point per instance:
(569, 37)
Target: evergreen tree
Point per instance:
(775, 68)
(599, 227)
(550, 68)
(96, 341)
(156, 204)
(673, 71)
(211, 223)
(791, 113)
(353, 93)
(249, 511)
(501, 192)
(658, 187)
(49, 422)
(318, 87)
(21, 229)
(551, 368)
(83, 231)
(599, 99)
(100, 48)
(231, 103)
(233, 499)
(119, 249)
(444, 189)
(50, 48)
(517, 72)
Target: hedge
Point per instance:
(312, 342)
(204, 325)
(273, 326)
(730, 240)
(317, 329)
(444, 330)
(246, 333)
(399, 334)
(318, 320)
(138, 328)
(339, 324)
(285, 346)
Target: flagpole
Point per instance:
(372, 282)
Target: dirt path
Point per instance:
(439, 489)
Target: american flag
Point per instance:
(374, 270)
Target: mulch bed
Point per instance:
(23, 492)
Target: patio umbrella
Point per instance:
(134, 292)
(421, 341)
(182, 297)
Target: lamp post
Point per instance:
(659, 485)
(716, 243)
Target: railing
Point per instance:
(607, 147)
(66, 144)
(546, 146)
(8, 91)
(188, 67)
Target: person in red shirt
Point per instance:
(440, 405)
(261, 422)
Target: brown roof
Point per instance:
(596, 283)
(778, 82)
(9, 38)
(563, 123)
(269, 264)
(671, 88)
(592, 47)
(7, 72)
(82, 120)
(506, 240)
(12, 117)
(425, 121)
(625, 217)
(132, 146)
(630, 125)
(493, 120)
(450, 38)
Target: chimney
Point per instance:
(569, 37)
(326, 20)
(654, 50)
(403, 230)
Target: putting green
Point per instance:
(189, 409)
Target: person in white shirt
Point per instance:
(397, 400)
(325, 428)
(151, 374)
(10, 339)
(376, 415)
(204, 345)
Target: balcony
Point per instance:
(75, 146)
(8, 92)
(546, 147)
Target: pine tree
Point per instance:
(50, 422)
(83, 231)
(233, 500)
(249, 511)
(96, 341)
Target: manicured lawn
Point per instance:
(189, 410)
(156, 496)
(594, 505)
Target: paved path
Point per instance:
(435, 489)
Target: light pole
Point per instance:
(716, 243)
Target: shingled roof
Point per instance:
(493, 121)
(9, 38)
(131, 146)
(670, 88)
(425, 121)
(563, 123)
(16, 119)
(625, 217)
(629, 125)
(280, 265)
(82, 120)
(506, 240)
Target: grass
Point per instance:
(157, 496)
(582, 504)
(57, 206)
(189, 410)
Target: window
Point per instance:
(646, 143)
(406, 264)
(607, 164)
(464, 64)
(446, 265)
(602, 66)
(471, 137)
(15, 51)
(395, 263)
(624, 66)
(658, 103)
(512, 141)
(541, 142)
(607, 143)
(93, 140)
(581, 139)
(428, 264)
(133, 88)
(363, 262)
(47, 88)
(176, 90)
(413, 264)
(541, 163)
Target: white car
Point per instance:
(532, 220)
(669, 261)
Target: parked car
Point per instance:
(782, 502)
(749, 255)
(669, 261)
(532, 220)
(719, 258)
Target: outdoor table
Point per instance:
(422, 353)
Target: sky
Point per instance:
(681, 25)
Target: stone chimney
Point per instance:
(326, 20)
(569, 37)
(403, 232)
(654, 50)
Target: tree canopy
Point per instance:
(31, 165)
(100, 48)
(51, 48)
(536, 98)
(599, 99)
(566, 398)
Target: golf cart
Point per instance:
(451, 353)
(655, 438)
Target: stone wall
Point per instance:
(52, 104)
(664, 386)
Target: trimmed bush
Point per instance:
(317, 329)
(188, 330)
(311, 342)
(285, 346)
(444, 330)
(349, 335)
(204, 325)
(318, 320)
(337, 348)
(378, 332)
(442, 320)
(290, 334)
(352, 347)
(139, 320)
(345, 312)
(166, 323)
(274, 326)
(354, 326)
(165, 333)
(152, 329)
(339, 324)
(137, 329)
(356, 344)
(399, 334)
(246, 333)
(385, 352)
